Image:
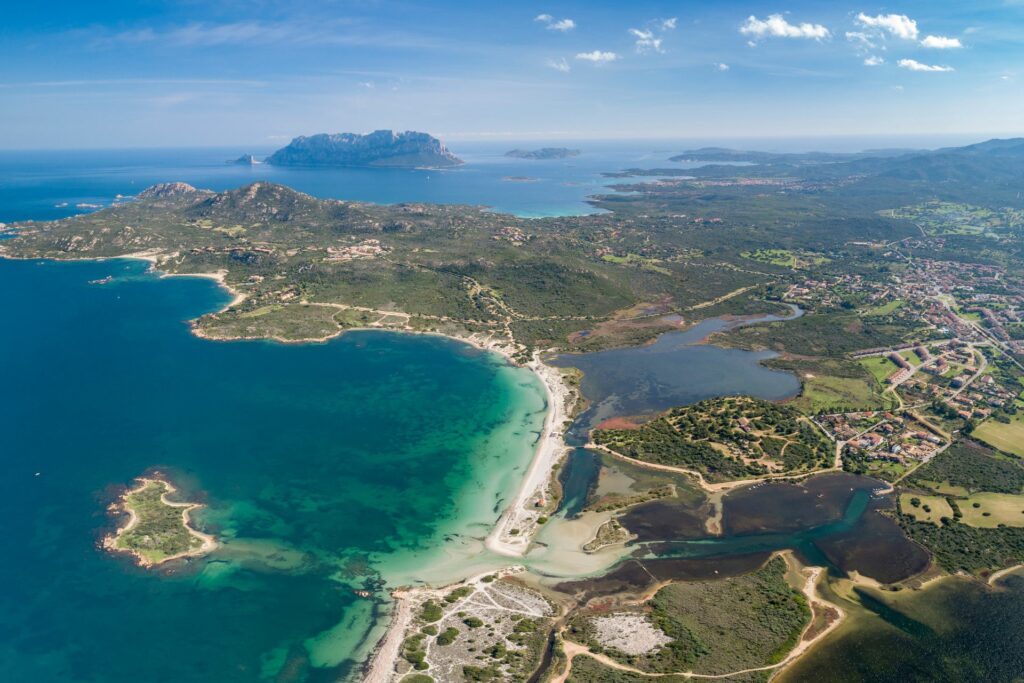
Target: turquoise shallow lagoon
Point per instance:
(325, 468)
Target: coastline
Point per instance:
(209, 543)
(518, 515)
(514, 530)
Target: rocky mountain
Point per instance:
(172, 191)
(543, 153)
(379, 148)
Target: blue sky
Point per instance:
(258, 72)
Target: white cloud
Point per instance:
(899, 25)
(552, 25)
(668, 24)
(597, 57)
(722, 66)
(645, 41)
(941, 42)
(914, 65)
(873, 60)
(860, 38)
(559, 65)
(777, 26)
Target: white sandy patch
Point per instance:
(631, 634)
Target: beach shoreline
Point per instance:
(209, 543)
(513, 532)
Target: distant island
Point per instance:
(543, 153)
(158, 530)
(379, 148)
(245, 160)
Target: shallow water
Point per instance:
(377, 457)
(830, 520)
(676, 370)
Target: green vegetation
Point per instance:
(827, 334)
(959, 547)
(431, 611)
(833, 385)
(637, 260)
(448, 636)
(458, 594)
(158, 530)
(989, 510)
(718, 626)
(925, 508)
(885, 309)
(413, 652)
(973, 467)
(725, 438)
(950, 218)
(787, 258)
(1006, 436)
(880, 367)
(589, 670)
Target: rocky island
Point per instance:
(544, 153)
(158, 529)
(410, 149)
(245, 160)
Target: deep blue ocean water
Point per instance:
(325, 468)
(36, 185)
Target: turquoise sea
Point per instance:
(371, 461)
(325, 468)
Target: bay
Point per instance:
(325, 468)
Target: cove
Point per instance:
(361, 463)
(677, 369)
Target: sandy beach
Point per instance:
(209, 543)
(515, 528)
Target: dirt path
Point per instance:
(818, 605)
(716, 487)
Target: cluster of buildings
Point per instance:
(367, 249)
(512, 234)
(888, 436)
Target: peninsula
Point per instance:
(382, 148)
(158, 530)
(908, 354)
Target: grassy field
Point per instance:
(832, 385)
(945, 488)
(1005, 437)
(786, 258)
(929, 508)
(880, 367)
(989, 510)
(832, 394)
(637, 260)
(886, 308)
